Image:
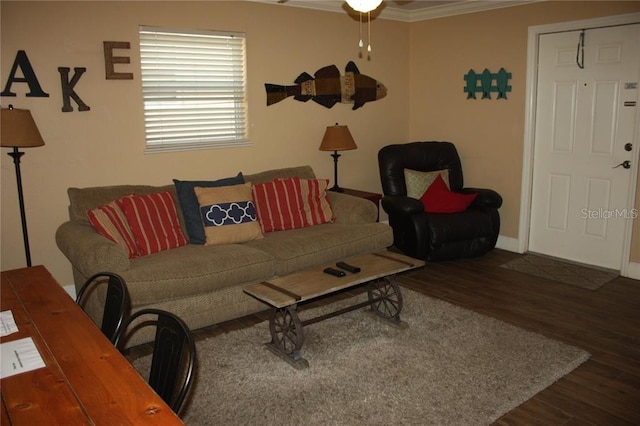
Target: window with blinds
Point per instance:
(193, 84)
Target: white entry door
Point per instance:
(585, 125)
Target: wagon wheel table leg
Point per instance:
(287, 336)
(385, 298)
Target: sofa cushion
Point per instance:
(439, 199)
(303, 172)
(228, 214)
(279, 205)
(316, 203)
(418, 182)
(189, 203)
(153, 219)
(185, 273)
(81, 200)
(110, 221)
(327, 243)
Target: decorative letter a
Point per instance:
(22, 61)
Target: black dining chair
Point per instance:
(173, 357)
(116, 301)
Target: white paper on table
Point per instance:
(19, 356)
(7, 323)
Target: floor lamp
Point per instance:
(337, 138)
(18, 130)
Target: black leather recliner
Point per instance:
(435, 236)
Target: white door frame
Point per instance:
(529, 125)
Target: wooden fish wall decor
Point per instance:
(327, 87)
(486, 79)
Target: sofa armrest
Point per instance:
(88, 251)
(485, 198)
(349, 209)
(401, 205)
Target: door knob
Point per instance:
(625, 164)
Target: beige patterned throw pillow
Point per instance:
(418, 182)
(228, 214)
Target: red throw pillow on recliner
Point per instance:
(438, 198)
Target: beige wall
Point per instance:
(105, 146)
(488, 133)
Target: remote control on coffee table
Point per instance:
(284, 294)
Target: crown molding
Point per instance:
(326, 6)
(467, 6)
(433, 12)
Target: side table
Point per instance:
(371, 196)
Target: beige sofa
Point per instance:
(203, 283)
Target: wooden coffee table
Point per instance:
(284, 294)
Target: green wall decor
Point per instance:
(486, 85)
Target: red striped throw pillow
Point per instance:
(316, 203)
(279, 205)
(154, 222)
(110, 222)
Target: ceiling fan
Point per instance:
(367, 5)
(364, 6)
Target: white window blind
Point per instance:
(193, 85)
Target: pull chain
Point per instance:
(369, 30)
(360, 43)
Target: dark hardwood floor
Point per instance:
(605, 390)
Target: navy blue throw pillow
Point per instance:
(189, 203)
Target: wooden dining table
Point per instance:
(85, 380)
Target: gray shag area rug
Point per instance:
(584, 276)
(451, 366)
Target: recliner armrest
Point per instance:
(485, 198)
(401, 205)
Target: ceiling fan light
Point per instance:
(364, 6)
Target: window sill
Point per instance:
(199, 146)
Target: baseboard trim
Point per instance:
(512, 245)
(71, 291)
(633, 271)
(508, 243)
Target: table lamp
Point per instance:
(337, 138)
(18, 130)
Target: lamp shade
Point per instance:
(17, 129)
(337, 138)
(364, 6)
